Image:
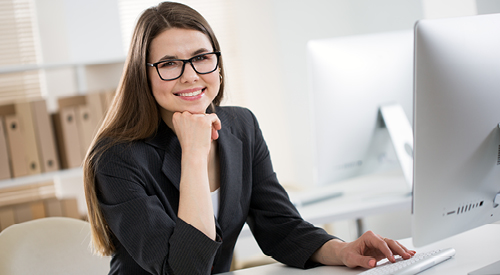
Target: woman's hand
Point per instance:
(366, 251)
(196, 131)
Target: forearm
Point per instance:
(329, 253)
(195, 204)
(191, 251)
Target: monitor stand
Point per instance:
(401, 133)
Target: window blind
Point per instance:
(18, 46)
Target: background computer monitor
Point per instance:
(456, 133)
(349, 79)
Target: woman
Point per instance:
(172, 177)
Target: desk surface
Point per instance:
(474, 249)
(361, 197)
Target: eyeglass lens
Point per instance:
(202, 64)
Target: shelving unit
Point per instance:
(44, 177)
(78, 78)
(32, 67)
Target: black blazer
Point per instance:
(138, 191)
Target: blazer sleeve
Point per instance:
(275, 222)
(159, 243)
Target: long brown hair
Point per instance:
(134, 113)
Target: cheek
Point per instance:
(214, 81)
(161, 91)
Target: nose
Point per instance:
(189, 74)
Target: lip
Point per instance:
(195, 91)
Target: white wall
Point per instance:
(273, 41)
(73, 31)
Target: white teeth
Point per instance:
(190, 94)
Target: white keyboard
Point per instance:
(419, 262)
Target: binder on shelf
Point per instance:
(87, 126)
(4, 153)
(44, 130)
(97, 107)
(70, 208)
(71, 101)
(7, 217)
(23, 112)
(89, 114)
(53, 208)
(37, 209)
(16, 150)
(22, 213)
(68, 137)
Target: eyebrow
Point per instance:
(195, 53)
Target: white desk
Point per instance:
(362, 196)
(474, 249)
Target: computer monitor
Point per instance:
(350, 78)
(456, 126)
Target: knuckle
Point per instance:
(369, 233)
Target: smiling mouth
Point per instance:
(191, 93)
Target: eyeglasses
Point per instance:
(173, 68)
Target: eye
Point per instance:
(200, 58)
(168, 64)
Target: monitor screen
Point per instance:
(456, 126)
(350, 78)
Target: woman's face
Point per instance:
(191, 92)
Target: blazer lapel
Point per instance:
(166, 139)
(171, 166)
(231, 165)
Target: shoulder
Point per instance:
(133, 154)
(234, 116)
(241, 123)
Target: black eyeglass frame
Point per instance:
(184, 61)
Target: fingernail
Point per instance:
(372, 263)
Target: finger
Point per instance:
(400, 249)
(362, 261)
(216, 125)
(382, 245)
(411, 252)
(215, 134)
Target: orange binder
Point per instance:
(37, 209)
(4, 153)
(44, 130)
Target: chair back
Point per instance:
(55, 245)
